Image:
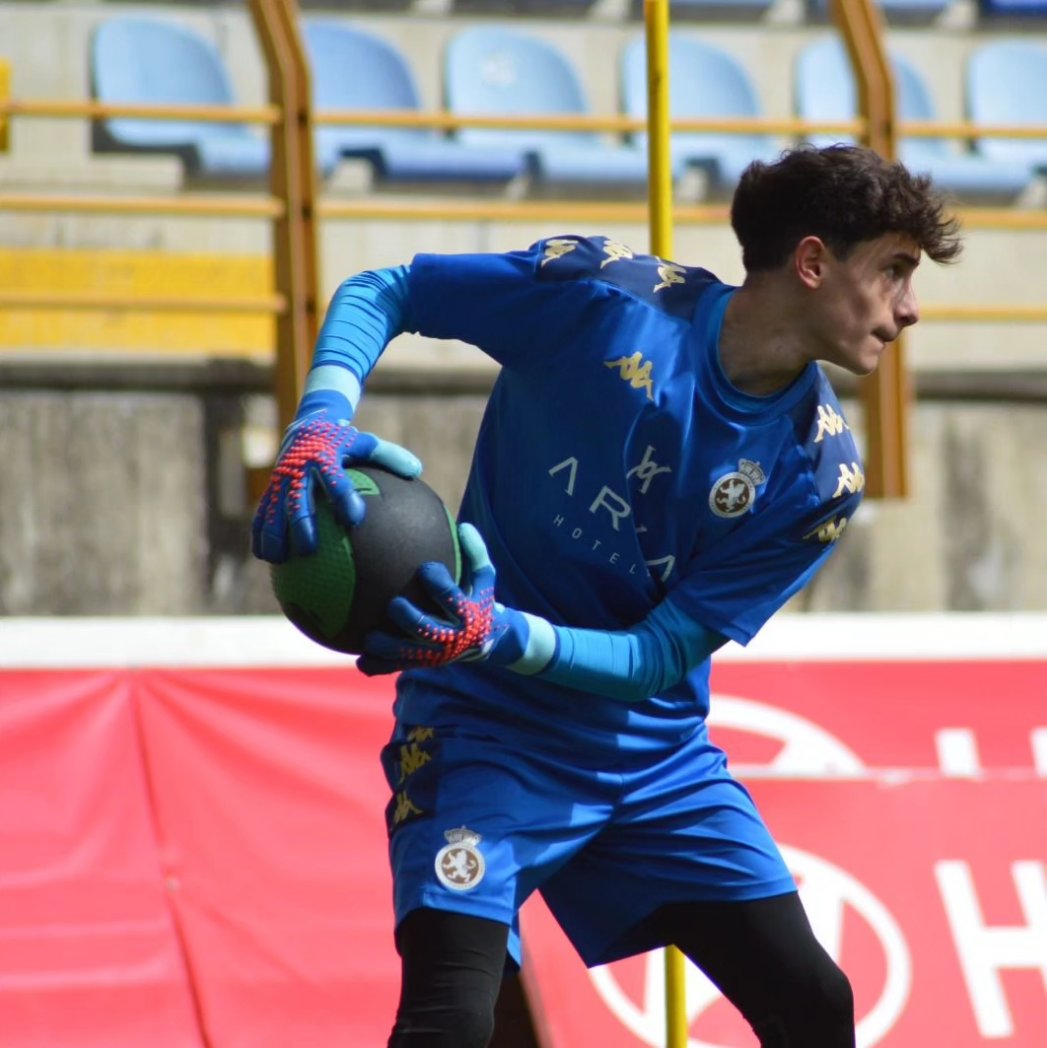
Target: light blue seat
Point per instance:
(704, 81)
(353, 69)
(897, 11)
(826, 91)
(553, 7)
(684, 7)
(496, 71)
(742, 10)
(1007, 84)
(151, 61)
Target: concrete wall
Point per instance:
(132, 501)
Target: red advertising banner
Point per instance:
(194, 859)
(192, 847)
(910, 799)
(846, 716)
(269, 801)
(89, 953)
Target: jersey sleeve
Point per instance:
(523, 305)
(737, 584)
(495, 302)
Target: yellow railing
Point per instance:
(443, 120)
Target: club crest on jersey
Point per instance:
(734, 493)
(459, 864)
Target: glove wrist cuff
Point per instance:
(540, 648)
(331, 387)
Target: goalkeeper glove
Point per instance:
(316, 448)
(473, 627)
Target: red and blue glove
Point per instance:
(626, 665)
(318, 445)
(471, 626)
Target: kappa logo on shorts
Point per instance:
(734, 493)
(459, 864)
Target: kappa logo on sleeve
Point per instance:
(557, 248)
(851, 480)
(615, 251)
(634, 370)
(827, 532)
(830, 423)
(669, 273)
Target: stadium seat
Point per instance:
(704, 81)
(899, 12)
(155, 62)
(555, 6)
(502, 72)
(1007, 84)
(549, 7)
(697, 7)
(729, 10)
(825, 91)
(353, 69)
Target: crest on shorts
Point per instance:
(459, 864)
(734, 493)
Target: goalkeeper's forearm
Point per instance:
(627, 665)
(366, 313)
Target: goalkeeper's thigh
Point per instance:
(452, 968)
(765, 959)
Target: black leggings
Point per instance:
(762, 955)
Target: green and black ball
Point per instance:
(338, 594)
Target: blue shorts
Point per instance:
(477, 823)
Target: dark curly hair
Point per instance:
(843, 194)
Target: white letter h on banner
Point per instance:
(982, 950)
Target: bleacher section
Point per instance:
(491, 67)
(356, 69)
(153, 61)
(378, 56)
(503, 71)
(520, 59)
(825, 91)
(705, 81)
(1007, 84)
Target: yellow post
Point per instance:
(293, 181)
(5, 94)
(660, 205)
(659, 182)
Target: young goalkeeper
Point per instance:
(661, 465)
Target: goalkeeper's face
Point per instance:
(865, 300)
